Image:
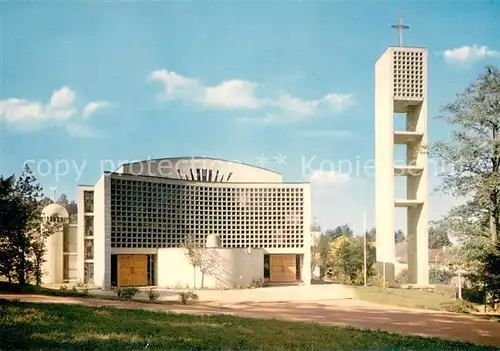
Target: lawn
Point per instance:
(52, 326)
(411, 298)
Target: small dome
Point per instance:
(55, 210)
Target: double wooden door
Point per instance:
(282, 268)
(132, 270)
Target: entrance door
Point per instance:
(132, 270)
(282, 268)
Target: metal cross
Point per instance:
(400, 27)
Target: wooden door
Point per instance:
(282, 268)
(132, 270)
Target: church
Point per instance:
(132, 225)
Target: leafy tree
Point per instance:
(199, 257)
(438, 238)
(490, 274)
(346, 259)
(319, 252)
(63, 200)
(473, 152)
(21, 236)
(46, 201)
(70, 206)
(399, 236)
(371, 235)
(339, 231)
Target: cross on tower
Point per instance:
(400, 27)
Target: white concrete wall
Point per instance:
(169, 167)
(81, 231)
(229, 267)
(384, 158)
(102, 233)
(417, 187)
(53, 266)
(306, 273)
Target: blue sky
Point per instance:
(99, 83)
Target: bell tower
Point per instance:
(401, 92)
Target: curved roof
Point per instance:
(55, 210)
(201, 169)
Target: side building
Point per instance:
(133, 222)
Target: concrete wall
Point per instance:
(185, 168)
(81, 231)
(227, 267)
(53, 265)
(102, 233)
(384, 158)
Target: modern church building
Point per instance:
(132, 226)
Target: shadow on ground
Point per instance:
(339, 313)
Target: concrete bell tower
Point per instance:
(401, 88)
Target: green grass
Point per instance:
(412, 298)
(58, 326)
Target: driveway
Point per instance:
(336, 312)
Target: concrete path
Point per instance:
(267, 294)
(337, 312)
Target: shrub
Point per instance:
(440, 276)
(63, 288)
(473, 295)
(402, 277)
(458, 306)
(153, 295)
(257, 283)
(188, 297)
(126, 293)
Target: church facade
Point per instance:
(133, 223)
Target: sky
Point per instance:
(289, 86)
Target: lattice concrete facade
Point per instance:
(152, 205)
(401, 88)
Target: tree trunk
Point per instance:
(21, 272)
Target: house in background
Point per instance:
(437, 257)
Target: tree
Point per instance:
(20, 225)
(199, 257)
(473, 152)
(70, 206)
(319, 253)
(399, 236)
(63, 200)
(345, 262)
(438, 238)
(339, 230)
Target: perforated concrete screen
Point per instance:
(147, 214)
(408, 70)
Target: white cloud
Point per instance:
(240, 94)
(63, 97)
(232, 94)
(92, 107)
(466, 54)
(28, 116)
(329, 177)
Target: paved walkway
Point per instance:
(336, 312)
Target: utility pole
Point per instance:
(364, 246)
